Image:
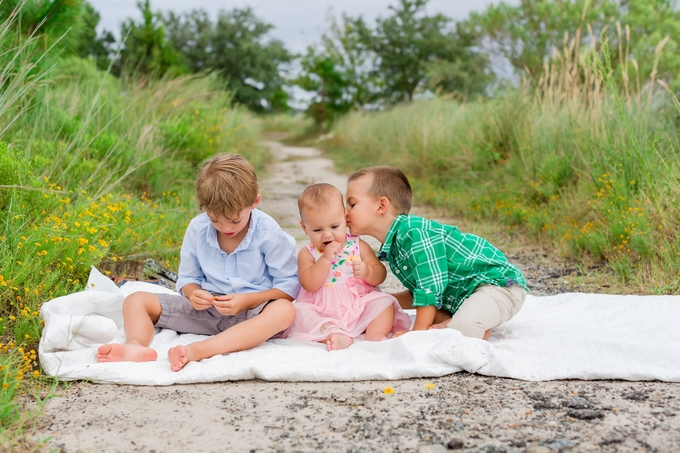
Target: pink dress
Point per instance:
(343, 304)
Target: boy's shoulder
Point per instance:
(410, 222)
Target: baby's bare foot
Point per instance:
(338, 341)
(129, 352)
(178, 357)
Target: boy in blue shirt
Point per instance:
(237, 276)
(453, 279)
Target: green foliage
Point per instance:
(409, 44)
(322, 75)
(56, 22)
(146, 49)
(599, 183)
(528, 33)
(94, 171)
(89, 43)
(237, 46)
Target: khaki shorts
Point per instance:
(178, 315)
(488, 307)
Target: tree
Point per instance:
(408, 45)
(238, 47)
(527, 34)
(321, 74)
(145, 48)
(56, 22)
(89, 43)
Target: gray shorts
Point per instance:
(178, 315)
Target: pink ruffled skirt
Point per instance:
(345, 309)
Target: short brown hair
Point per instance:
(318, 195)
(226, 185)
(388, 182)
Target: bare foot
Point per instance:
(441, 325)
(338, 341)
(375, 337)
(129, 352)
(178, 357)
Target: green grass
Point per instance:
(600, 183)
(93, 172)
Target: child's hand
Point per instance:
(360, 269)
(331, 251)
(231, 304)
(201, 299)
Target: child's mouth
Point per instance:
(326, 243)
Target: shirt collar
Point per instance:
(398, 221)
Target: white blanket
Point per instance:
(567, 336)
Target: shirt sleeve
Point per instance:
(279, 256)
(428, 263)
(190, 270)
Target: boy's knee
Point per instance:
(148, 301)
(472, 329)
(284, 311)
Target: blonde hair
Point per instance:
(388, 182)
(226, 185)
(318, 195)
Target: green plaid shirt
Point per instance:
(442, 266)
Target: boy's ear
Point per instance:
(384, 205)
(257, 201)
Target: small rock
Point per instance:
(577, 403)
(585, 414)
(455, 443)
(434, 448)
(539, 449)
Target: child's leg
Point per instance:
(488, 307)
(378, 329)
(277, 316)
(140, 312)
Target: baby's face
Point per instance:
(325, 224)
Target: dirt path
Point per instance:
(473, 413)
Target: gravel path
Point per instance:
(462, 412)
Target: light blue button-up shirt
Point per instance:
(264, 259)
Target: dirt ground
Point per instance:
(460, 412)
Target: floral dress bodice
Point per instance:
(341, 269)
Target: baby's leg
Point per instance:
(140, 312)
(338, 341)
(488, 307)
(378, 329)
(278, 315)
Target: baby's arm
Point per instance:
(369, 268)
(311, 274)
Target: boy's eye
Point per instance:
(351, 205)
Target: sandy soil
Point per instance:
(462, 412)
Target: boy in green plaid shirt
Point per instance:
(453, 279)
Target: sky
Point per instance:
(298, 23)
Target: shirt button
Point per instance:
(427, 291)
(397, 271)
(405, 267)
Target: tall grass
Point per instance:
(578, 160)
(93, 171)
